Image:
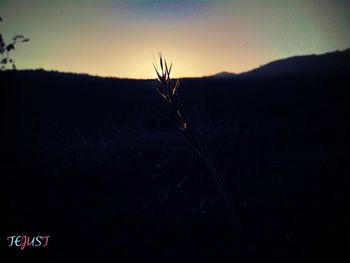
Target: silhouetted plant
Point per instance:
(5, 49)
(169, 92)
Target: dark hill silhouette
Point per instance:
(333, 62)
(223, 74)
(95, 163)
(306, 65)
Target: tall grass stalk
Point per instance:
(168, 90)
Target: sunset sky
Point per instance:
(118, 38)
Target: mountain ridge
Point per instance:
(300, 65)
(329, 62)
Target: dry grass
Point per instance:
(168, 90)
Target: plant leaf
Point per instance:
(161, 61)
(176, 86)
(159, 76)
(171, 65)
(10, 47)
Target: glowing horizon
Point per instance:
(201, 38)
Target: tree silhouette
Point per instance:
(6, 47)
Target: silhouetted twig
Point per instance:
(6, 48)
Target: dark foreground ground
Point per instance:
(95, 164)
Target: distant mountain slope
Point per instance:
(222, 75)
(333, 62)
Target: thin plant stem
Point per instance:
(169, 93)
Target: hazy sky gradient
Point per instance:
(117, 38)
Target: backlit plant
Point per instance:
(168, 90)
